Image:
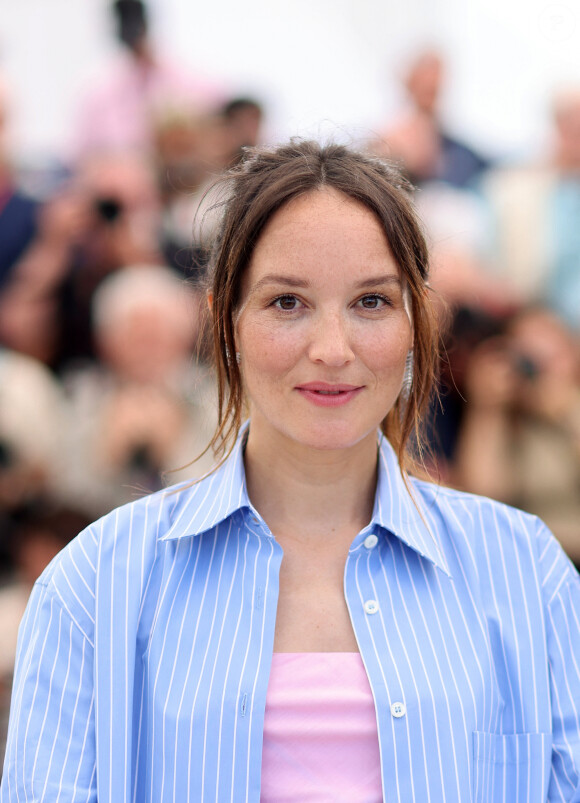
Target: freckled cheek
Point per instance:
(386, 353)
(268, 350)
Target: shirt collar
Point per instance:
(209, 501)
(219, 495)
(399, 508)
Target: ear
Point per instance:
(209, 299)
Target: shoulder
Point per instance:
(115, 556)
(493, 538)
(466, 506)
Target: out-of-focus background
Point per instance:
(115, 118)
(324, 65)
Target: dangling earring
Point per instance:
(238, 357)
(408, 376)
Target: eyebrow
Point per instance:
(275, 278)
(374, 280)
(292, 281)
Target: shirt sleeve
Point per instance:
(561, 585)
(50, 752)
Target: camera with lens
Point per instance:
(108, 209)
(525, 366)
(7, 456)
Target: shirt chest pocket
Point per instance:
(511, 768)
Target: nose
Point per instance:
(330, 342)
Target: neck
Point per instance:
(315, 492)
(142, 52)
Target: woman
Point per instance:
(309, 622)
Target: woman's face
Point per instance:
(322, 329)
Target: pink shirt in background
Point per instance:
(320, 731)
(119, 110)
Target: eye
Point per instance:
(373, 301)
(286, 303)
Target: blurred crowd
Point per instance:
(505, 243)
(105, 389)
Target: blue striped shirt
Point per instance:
(145, 651)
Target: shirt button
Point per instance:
(371, 541)
(371, 606)
(398, 709)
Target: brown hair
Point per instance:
(266, 180)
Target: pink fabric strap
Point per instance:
(320, 731)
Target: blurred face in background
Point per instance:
(122, 194)
(146, 323)
(424, 81)
(547, 344)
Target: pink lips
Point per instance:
(323, 394)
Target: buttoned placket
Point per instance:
(363, 561)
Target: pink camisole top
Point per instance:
(320, 731)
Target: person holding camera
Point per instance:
(146, 407)
(519, 439)
(105, 217)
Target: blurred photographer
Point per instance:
(107, 216)
(520, 437)
(148, 405)
(139, 86)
